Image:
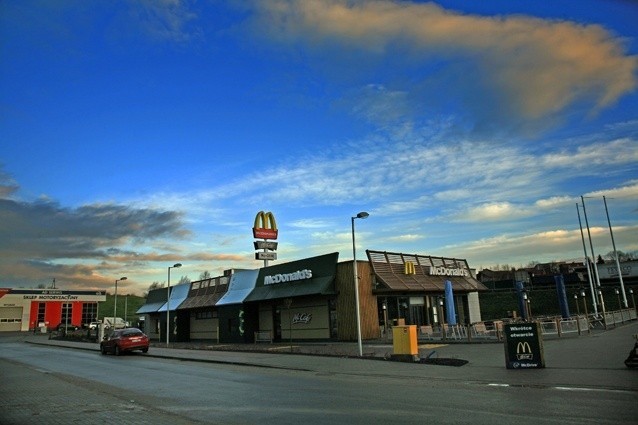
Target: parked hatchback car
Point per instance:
(121, 340)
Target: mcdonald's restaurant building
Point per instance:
(314, 299)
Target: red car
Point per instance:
(121, 340)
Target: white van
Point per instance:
(115, 322)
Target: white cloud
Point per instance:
(614, 152)
(166, 20)
(630, 191)
(538, 67)
(405, 238)
(551, 245)
(496, 211)
(309, 224)
(412, 175)
(555, 202)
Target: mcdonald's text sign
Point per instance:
(523, 346)
(265, 226)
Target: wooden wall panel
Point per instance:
(346, 309)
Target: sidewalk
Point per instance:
(585, 362)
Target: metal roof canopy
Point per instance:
(178, 295)
(241, 285)
(205, 293)
(390, 270)
(150, 308)
(155, 299)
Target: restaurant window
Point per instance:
(205, 314)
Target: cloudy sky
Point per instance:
(140, 133)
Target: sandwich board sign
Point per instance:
(523, 346)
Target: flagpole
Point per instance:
(591, 246)
(611, 232)
(591, 283)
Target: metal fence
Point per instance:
(555, 326)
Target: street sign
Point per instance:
(524, 346)
(265, 255)
(272, 246)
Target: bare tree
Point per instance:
(622, 256)
(154, 285)
(204, 275)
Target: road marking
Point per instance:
(600, 390)
(559, 388)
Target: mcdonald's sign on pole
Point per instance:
(524, 346)
(265, 226)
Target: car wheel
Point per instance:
(103, 350)
(145, 350)
(117, 350)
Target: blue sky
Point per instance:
(138, 134)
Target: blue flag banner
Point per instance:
(522, 308)
(562, 296)
(450, 312)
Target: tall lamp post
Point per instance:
(362, 214)
(617, 291)
(168, 302)
(602, 305)
(577, 305)
(525, 311)
(115, 303)
(583, 295)
(441, 302)
(633, 300)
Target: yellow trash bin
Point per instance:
(404, 340)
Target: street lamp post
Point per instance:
(442, 318)
(385, 318)
(633, 301)
(362, 214)
(168, 302)
(577, 306)
(602, 305)
(115, 303)
(583, 295)
(618, 296)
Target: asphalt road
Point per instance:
(51, 384)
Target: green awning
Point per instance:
(317, 286)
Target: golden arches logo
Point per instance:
(409, 268)
(524, 351)
(265, 226)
